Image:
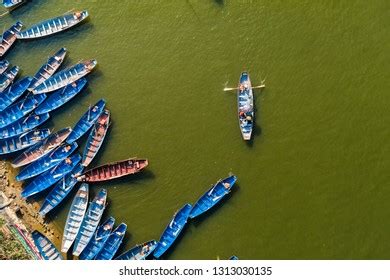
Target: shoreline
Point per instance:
(16, 211)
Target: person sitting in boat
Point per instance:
(226, 185)
(67, 148)
(68, 161)
(95, 108)
(241, 87)
(77, 15)
(242, 114)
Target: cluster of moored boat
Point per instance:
(92, 241)
(50, 160)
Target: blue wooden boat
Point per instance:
(23, 125)
(45, 247)
(40, 149)
(75, 217)
(173, 230)
(96, 138)
(53, 25)
(246, 113)
(61, 96)
(23, 141)
(112, 244)
(8, 77)
(48, 69)
(20, 109)
(9, 37)
(213, 196)
(66, 77)
(50, 177)
(13, 92)
(60, 191)
(12, 4)
(46, 162)
(87, 121)
(139, 252)
(233, 258)
(98, 240)
(3, 66)
(90, 222)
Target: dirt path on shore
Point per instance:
(18, 211)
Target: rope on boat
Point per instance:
(4, 14)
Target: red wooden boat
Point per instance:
(113, 170)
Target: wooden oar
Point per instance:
(236, 88)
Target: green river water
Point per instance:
(313, 183)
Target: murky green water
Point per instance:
(314, 183)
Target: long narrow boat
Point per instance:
(12, 4)
(90, 222)
(45, 247)
(60, 191)
(46, 162)
(23, 141)
(75, 217)
(23, 125)
(50, 177)
(98, 240)
(66, 77)
(96, 138)
(3, 66)
(87, 121)
(213, 196)
(112, 244)
(13, 92)
(246, 113)
(173, 230)
(61, 96)
(113, 170)
(139, 252)
(48, 69)
(20, 109)
(53, 25)
(9, 37)
(40, 149)
(8, 77)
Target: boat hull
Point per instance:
(45, 247)
(246, 113)
(48, 69)
(66, 77)
(23, 125)
(53, 25)
(61, 96)
(90, 222)
(13, 92)
(114, 170)
(9, 37)
(75, 217)
(173, 230)
(40, 149)
(8, 77)
(213, 196)
(98, 240)
(47, 162)
(17, 143)
(87, 121)
(60, 191)
(20, 109)
(112, 244)
(50, 177)
(139, 252)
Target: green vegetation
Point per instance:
(10, 247)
